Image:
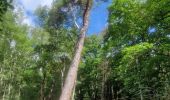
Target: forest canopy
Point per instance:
(128, 60)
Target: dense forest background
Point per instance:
(129, 60)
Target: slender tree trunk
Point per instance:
(62, 75)
(73, 94)
(42, 97)
(4, 94)
(51, 91)
(9, 91)
(72, 73)
(141, 94)
(104, 71)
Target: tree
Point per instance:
(4, 5)
(53, 45)
(14, 54)
(90, 70)
(72, 73)
(137, 34)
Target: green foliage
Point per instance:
(134, 52)
(139, 57)
(53, 50)
(131, 61)
(34, 61)
(4, 5)
(15, 50)
(88, 84)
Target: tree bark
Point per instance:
(51, 91)
(42, 97)
(70, 81)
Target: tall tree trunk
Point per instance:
(62, 75)
(70, 81)
(42, 97)
(51, 91)
(104, 71)
(4, 93)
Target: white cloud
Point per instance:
(31, 6)
(28, 21)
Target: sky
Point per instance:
(98, 15)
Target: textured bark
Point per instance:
(72, 73)
(42, 97)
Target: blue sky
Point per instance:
(98, 16)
